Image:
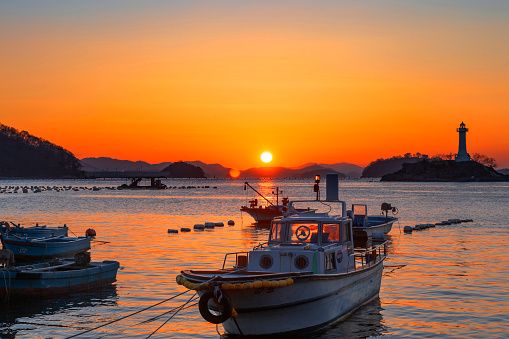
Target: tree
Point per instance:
(485, 160)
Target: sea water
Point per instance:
(444, 282)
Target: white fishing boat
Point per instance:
(307, 276)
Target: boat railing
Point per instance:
(239, 263)
(371, 256)
(260, 246)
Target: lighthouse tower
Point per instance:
(462, 148)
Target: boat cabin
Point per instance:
(306, 242)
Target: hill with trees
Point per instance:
(381, 167)
(182, 169)
(437, 169)
(24, 155)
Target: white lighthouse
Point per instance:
(462, 148)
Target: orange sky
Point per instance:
(223, 82)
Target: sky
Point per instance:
(224, 81)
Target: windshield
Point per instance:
(332, 233)
(276, 232)
(303, 232)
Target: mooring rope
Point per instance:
(174, 314)
(127, 316)
(162, 314)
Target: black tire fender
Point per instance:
(225, 305)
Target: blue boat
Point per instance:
(52, 279)
(34, 249)
(33, 231)
(368, 227)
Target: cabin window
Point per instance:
(276, 233)
(303, 232)
(331, 233)
(330, 262)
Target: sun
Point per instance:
(266, 157)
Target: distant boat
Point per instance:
(46, 280)
(263, 214)
(135, 184)
(33, 249)
(33, 231)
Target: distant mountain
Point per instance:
(183, 170)
(350, 170)
(283, 172)
(504, 171)
(212, 170)
(105, 164)
(24, 155)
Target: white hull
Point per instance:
(312, 302)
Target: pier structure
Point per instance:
(462, 147)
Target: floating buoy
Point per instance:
(257, 284)
(199, 227)
(90, 232)
(231, 222)
(408, 229)
(417, 227)
(170, 230)
(219, 224)
(209, 225)
(266, 283)
(185, 229)
(289, 281)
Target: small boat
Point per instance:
(56, 278)
(263, 214)
(365, 226)
(33, 231)
(306, 277)
(33, 249)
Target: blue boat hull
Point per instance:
(33, 250)
(35, 231)
(23, 283)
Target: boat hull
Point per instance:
(312, 302)
(263, 214)
(363, 235)
(30, 250)
(23, 283)
(37, 231)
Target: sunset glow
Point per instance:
(168, 81)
